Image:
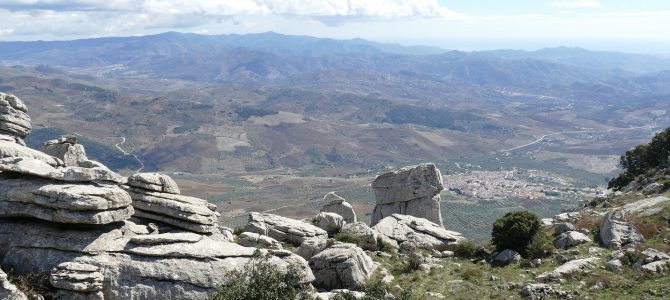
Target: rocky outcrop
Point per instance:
(365, 234)
(330, 222)
(12, 149)
(77, 281)
(250, 239)
(14, 120)
(412, 232)
(67, 150)
(338, 205)
(571, 238)
(312, 247)
(156, 197)
(8, 291)
(615, 232)
(505, 257)
(283, 229)
(341, 266)
(570, 267)
(411, 191)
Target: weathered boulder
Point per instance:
(283, 229)
(8, 291)
(311, 247)
(571, 238)
(506, 257)
(540, 291)
(330, 222)
(570, 267)
(367, 235)
(338, 205)
(168, 267)
(77, 281)
(341, 266)
(154, 182)
(411, 191)
(14, 119)
(63, 202)
(653, 188)
(67, 150)
(250, 239)
(412, 232)
(169, 207)
(36, 167)
(563, 227)
(614, 265)
(654, 261)
(11, 149)
(615, 232)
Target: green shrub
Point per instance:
(630, 258)
(384, 246)
(515, 231)
(238, 230)
(541, 246)
(260, 279)
(347, 237)
(471, 273)
(466, 249)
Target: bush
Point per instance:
(515, 231)
(466, 249)
(384, 246)
(471, 274)
(260, 279)
(541, 246)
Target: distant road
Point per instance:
(576, 131)
(118, 146)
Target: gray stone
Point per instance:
(570, 239)
(76, 277)
(338, 205)
(155, 182)
(8, 291)
(653, 188)
(11, 149)
(410, 191)
(312, 247)
(367, 235)
(250, 239)
(330, 222)
(283, 229)
(66, 149)
(570, 267)
(506, 257)
(415, 232)
(166, 238)
(539, 291)
(614, 265)
(640, 205)
(563, 227)
(14, 119)
(64, 203)
(615, 232)
(341, 266)
(36, 167)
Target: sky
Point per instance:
(641, 26)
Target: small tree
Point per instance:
(515, 231)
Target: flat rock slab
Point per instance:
(415, 232)
(76, 277)
(154, 182)
(570, 267)
(166, 238)
(645, 203)
(11, 149)
(36, 167)
(283, 229)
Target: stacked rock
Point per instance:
(14, 119)
(157, 197)
(77, 281)
(411, 191)
(338, 205)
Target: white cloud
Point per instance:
(577, 4)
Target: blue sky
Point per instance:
(622, 25)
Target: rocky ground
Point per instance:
(70, 228)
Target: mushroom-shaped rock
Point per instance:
(615, 232)
(330, 222)
(250, 239)
(338, 205)
(154, 182)
(415, 232)
(341, 266)
(411, 191)
(283, 229)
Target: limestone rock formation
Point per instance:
(77, 281)
(328, 221)
(67, 150)
(412, 232)
(570, 267)
(340, 206)
(411, 191)
(14, 120)
(12, 149)
(341, 266)
(615, 232)
(250, 239)
(283, 229)
(366, 234)
(36, 167)
(312, 247)
(8, 291)
(156, 197)
(571, 238)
